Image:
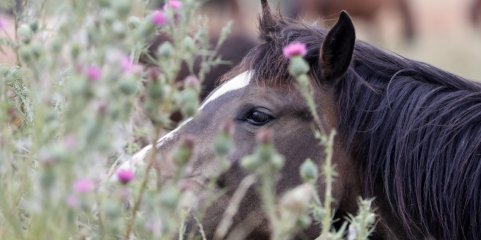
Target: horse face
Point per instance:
(250, 106)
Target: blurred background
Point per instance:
(446, 33)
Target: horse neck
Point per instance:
(404, 126)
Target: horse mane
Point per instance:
(415, 130)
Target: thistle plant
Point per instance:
(69, 114)
(361, 225)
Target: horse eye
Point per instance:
(258, 117)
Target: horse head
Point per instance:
(249, 101)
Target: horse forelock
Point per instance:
(414, 129)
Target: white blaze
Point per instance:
(238, 82)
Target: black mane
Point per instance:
(415, 130)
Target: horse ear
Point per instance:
(267, 23)
(337, 49)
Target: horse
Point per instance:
(364, 10)
(409, 134)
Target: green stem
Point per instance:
(328, 171)
(143, 187)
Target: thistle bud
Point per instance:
(192, 82)
(146, 29)
(34, 26)
(250, 163)
(156, 91)
(223, 143)
(188, 44)
(127, 85)
(304, 221)
(170, 198)
(308, 171)
(185, 151)
(166, 50)
(319, 214)
(26, 53)
(371, 218)
(112, 210)
(25, 33)
(298, 66)
(133, 22)
(189, 102)
(277, 161)
(37, 50)
(122, 7)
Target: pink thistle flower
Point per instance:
(83, 186)
(3, 23)
(128, 66)
(125, 176)
(294, 50)
(93, 73)
(174, 4)
(72, 201)
(159, 18)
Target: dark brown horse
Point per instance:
(366, 10)
(410, 134)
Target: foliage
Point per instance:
(69, 113)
